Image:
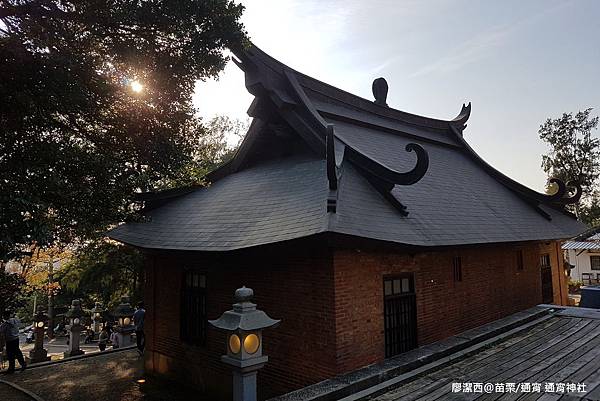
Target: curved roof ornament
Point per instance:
(462, 117)
(391, 176)
(578, 192)
(380, 91)
(560, 190)
(384, 179)
(568, 189)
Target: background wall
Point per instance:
(581, 262)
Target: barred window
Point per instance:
(193, 308)
(520, 264)
(545, 260)
(595, 262)
(457, 267)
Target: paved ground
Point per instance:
(564, 349)
(55, 347)
(561, 349)
(8, 393)
(108, 377)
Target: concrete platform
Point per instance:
(558, 359)
(419, 360)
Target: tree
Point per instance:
(95, 104)
(12, 290)
(102, 271)
(218, 144)
(590, 213)
(574, 154)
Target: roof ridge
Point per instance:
(347, 97)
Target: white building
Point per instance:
(584, 254)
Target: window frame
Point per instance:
(457, 274)
(597, 258)
(543, 258)
(520, 260)
(190, 293)
(400, 277)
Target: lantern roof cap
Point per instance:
(75, 310)
(244, 294)
(244, 315)
(40, 313)
(97, 308)
(124, 309)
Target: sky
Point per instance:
(517, 62)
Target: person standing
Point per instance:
(138, 322)
(103, 339)
(9, 336)
(114, 340)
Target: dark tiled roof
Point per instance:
(460, 200)
(277, 201)
(455, 203)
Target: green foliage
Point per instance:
(221, 142)
(574, 155)
(102, 271)
(222, 136)
(76, 141)
(574, 286)
(12, 290)
(590, 212)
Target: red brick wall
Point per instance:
(491, 288)
(331, 304)
(294, 287)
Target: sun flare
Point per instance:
(136, 86)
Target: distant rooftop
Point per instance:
(581, 245)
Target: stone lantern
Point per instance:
(38, 353)
(244, 325)
(97, 312)
(124, 313)
(75, 326)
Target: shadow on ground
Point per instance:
(115, 376)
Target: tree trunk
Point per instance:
(50, 300)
